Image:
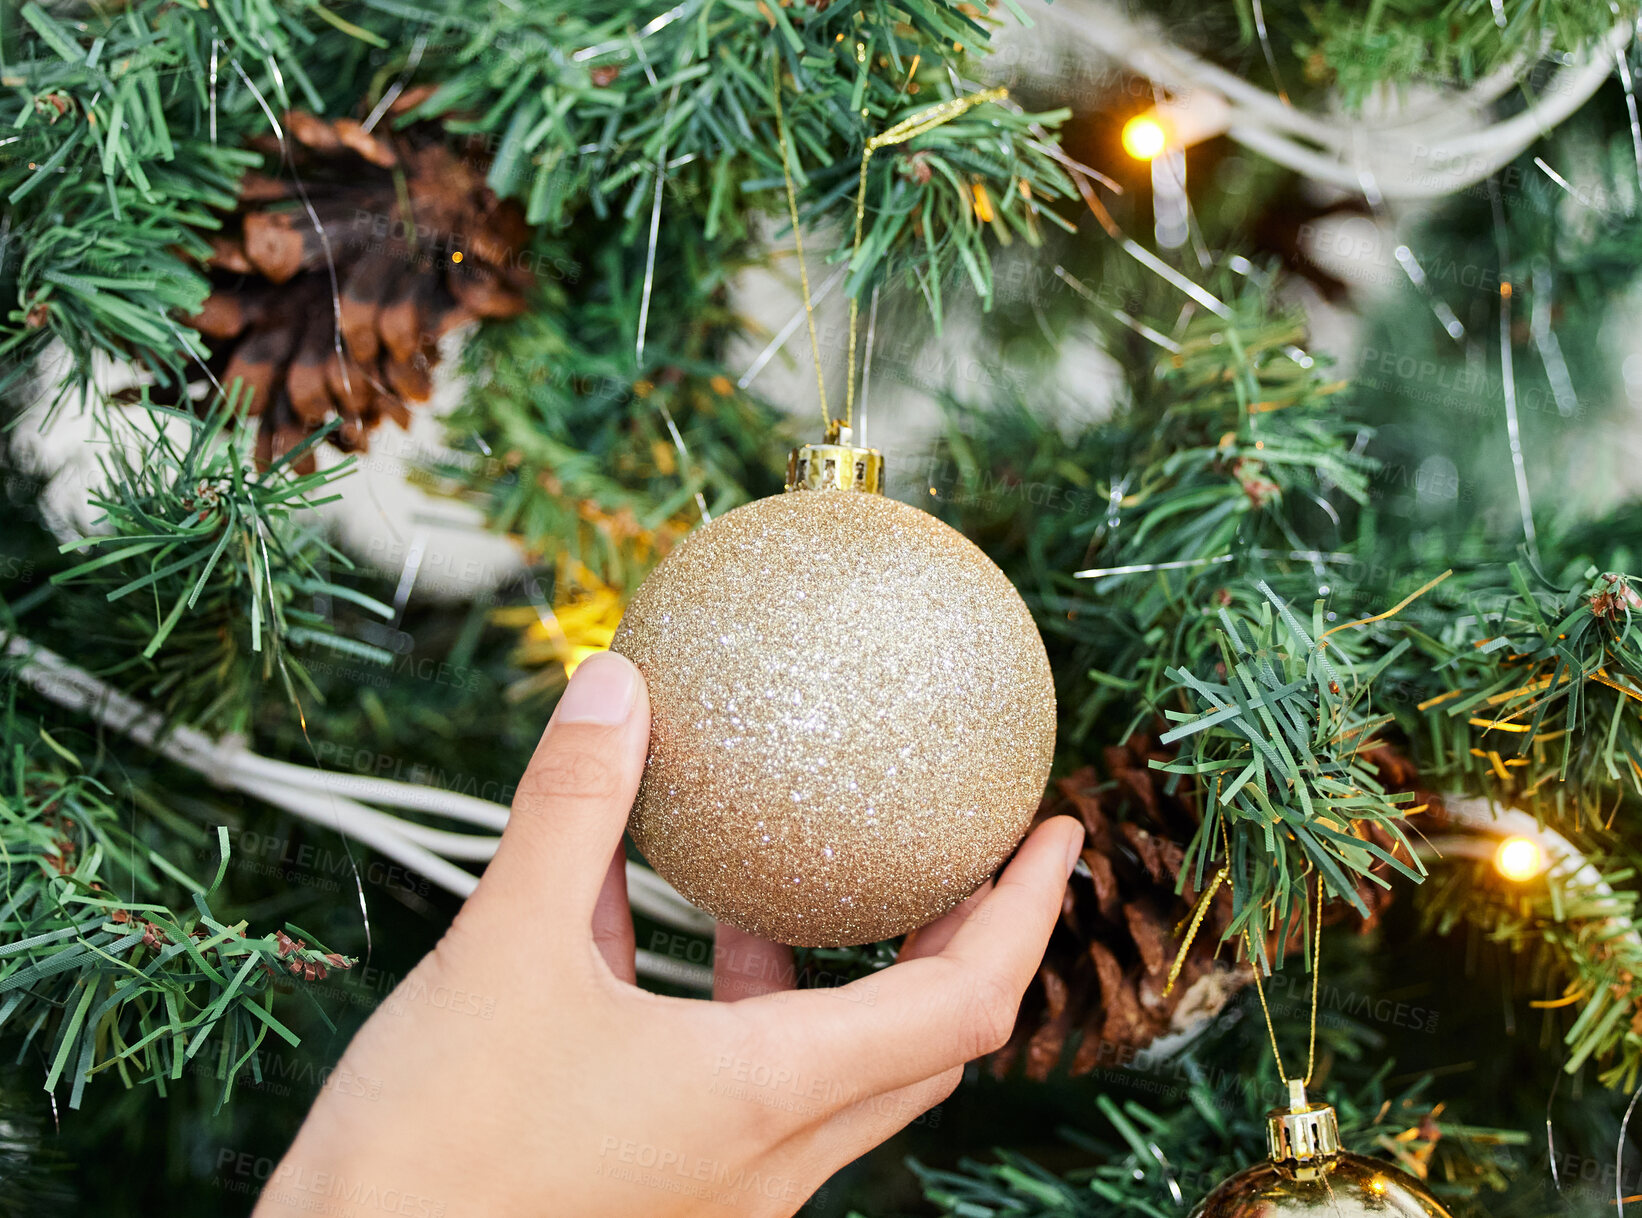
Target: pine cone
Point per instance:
(1108, 961)
(333, 283)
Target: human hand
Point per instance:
(518, 1070)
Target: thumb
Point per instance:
(572, 803)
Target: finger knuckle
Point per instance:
(570, 773)
(943, 1087)
(989, 1016)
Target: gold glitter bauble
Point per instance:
(1308, 1173)
(853, 717)
(1344, 1186)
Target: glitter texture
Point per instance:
(853, 717)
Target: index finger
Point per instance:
(918, 1018)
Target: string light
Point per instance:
(1415, 154)
(1176, 123)
(1144, 137)
(1519, 859)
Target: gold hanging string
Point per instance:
(908, 128)
(798, 245)
(1316, 964)
(1197, 917)
(1201, 909)
(1260, 989)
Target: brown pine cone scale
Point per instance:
(344, 264)
(1099, 994)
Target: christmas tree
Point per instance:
(359, 360)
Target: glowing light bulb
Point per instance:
(1144, 137)
(1519, 859)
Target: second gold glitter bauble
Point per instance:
(852, 717)
(1347, 1186)
(1308, 1172)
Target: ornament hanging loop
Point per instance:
(836, 465)
(927, 119)
(908, 128)
(1302, 1133)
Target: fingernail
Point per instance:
(1074, 852)
(601, 691)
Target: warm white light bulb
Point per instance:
(1144, 137)
(1177, 123)
(1519, 859)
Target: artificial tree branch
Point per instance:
(326, 799)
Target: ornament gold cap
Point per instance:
(836, 465)
(1302, 1133)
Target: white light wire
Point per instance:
(1412, 156)
(334, 800)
